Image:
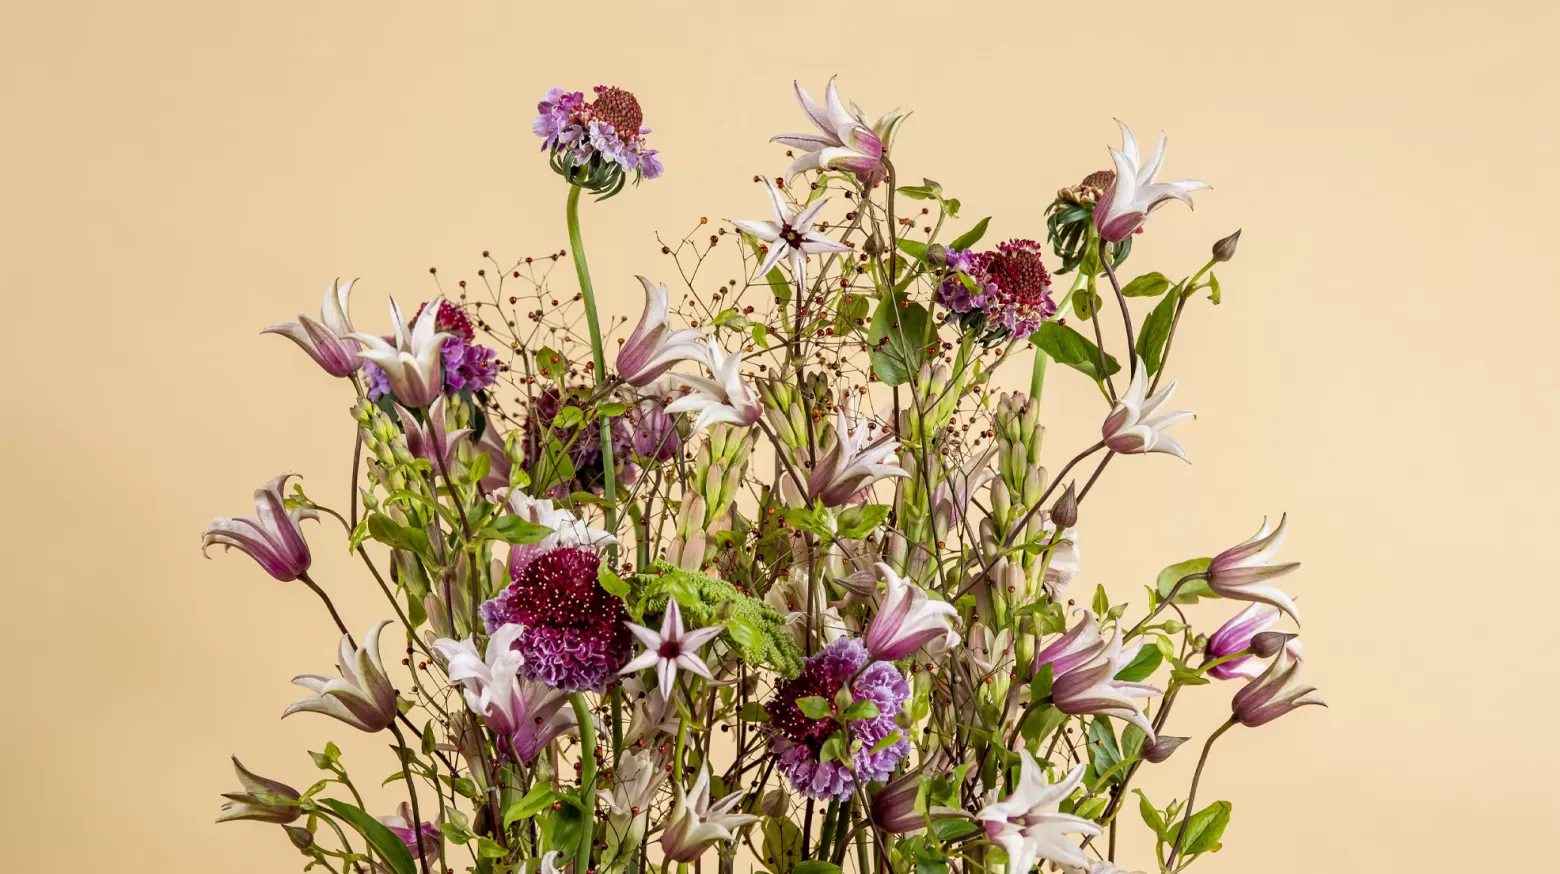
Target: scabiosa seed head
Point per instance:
(575, 638)
(1000, 294)
(596, 145)
(618, 108)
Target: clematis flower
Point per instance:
(262, 800)
(1241, 573)
(1133, 429)
(425, 836)
(272, 537)
(1134, 194)
(1236, 636)
(790, 234)
(635, 781)
(1084, 669)
(653, 348)
(1276, 692)
(1027, 825)
(1063, 565)
(959, 485)
(849, 467)
(526, 716)
(431, 440)
(671, 648)
(845, 140)
(363, 698)
(413, 362)
(893, 806)
(907, 619)
(695, 824)
(725, 398)
(326, 339)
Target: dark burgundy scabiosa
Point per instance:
(999, 294)
(574, 639)
(596, 144)
(468, 365)
(799, 738)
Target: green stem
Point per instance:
(411, 790)
(1191, 795)
(598, 354)
(587, 777)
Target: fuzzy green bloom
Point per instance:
(754, 628)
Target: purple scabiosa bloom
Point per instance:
(1003, 293)
(272, 537)
(575, 638)
(800, 738)
(603, 134)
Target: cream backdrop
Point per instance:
(178, 175)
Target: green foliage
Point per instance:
(385, 843)
(1142, 666)
(552, 364)
(1067, 346)
(904, 329)
(1205, 828)
(1147, 285)
(756, 629)
(1156, 331)
(1193, 589)
(971, 236)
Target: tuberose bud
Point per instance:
(1224, 250)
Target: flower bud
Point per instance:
(893, 807)
(1268, 643)
(1162, 747)
(1065, 511)
(1224, 250)
(937, 255)
(301, 837)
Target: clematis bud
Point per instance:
(262, 800)
(272, 537)
(937, 255)
(1065, 511)
(326, 339)
(893, 807)
(1162, 747)
(1236, 636)
(1268, 643)
(301, 837)
(653, 348)
(1241, 573)
(1276, 692)
(1224, 250)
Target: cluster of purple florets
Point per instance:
(610, 126)
(800, 738)
(1010, 287)
(468, 365)
(574, 639)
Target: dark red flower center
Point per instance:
(787, 718)
(620, 109)
(670, 649)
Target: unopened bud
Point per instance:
(937, 255)
(1224, 250)
(1269, 643)
(301, 837)
(1162, 748)
(1065, 511)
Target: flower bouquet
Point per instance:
(778, 573)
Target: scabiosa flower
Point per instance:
(1000, 294)
(575, 638)
(800, 738)
(596, 144)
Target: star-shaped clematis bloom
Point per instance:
(272, 537)
(696, 824)
(326, 339)
(845, 140)
(849, 466)
(1027, 825)
(413, 363)
(907, 619)
(1134, 194)
(1241, 573)
(790, 234)
(671, 648)
(723, 398)
(653, 348)
(1132, 428)
(363, 697)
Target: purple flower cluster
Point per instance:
(1009, 288)
(574, 636)
(610, 126)
(468, 365)
(800, 738)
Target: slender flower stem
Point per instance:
(1191, 794)
(411, 789)
(1121, 300)
(328, 605)
(587, 776)
(598, 355)
(1174, 590)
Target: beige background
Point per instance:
(178, 175)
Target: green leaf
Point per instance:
(864, 709)
(953, 829)
(487, 848)
(1205, 828)
(1101, 601)
(518, 531)
(1192, 590)
(1067, 346)
(913, 249)
(551, 363)
(904, 327)
(917, 192)
(614, 584)
(1142, 666)
(1132, 739)
(1147, 285)
(385, 843)
(1155, 332)
(782, 844)
(455, 834)
(1041, 723)
(815, 866)
(753, 711)
(814, 707)
(971, 236)
(392, 533)
(615, 408)
(1213, 289)
(1103, 752)
(888, 740)
(816, 519)
(1091, 808)
(1086, 303)
(1040, 686)
(537, 800)
(569, 417)
(833, 749)
(562, 828)
(1152, 818)
(857, 522)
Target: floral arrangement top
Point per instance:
(778, 569)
